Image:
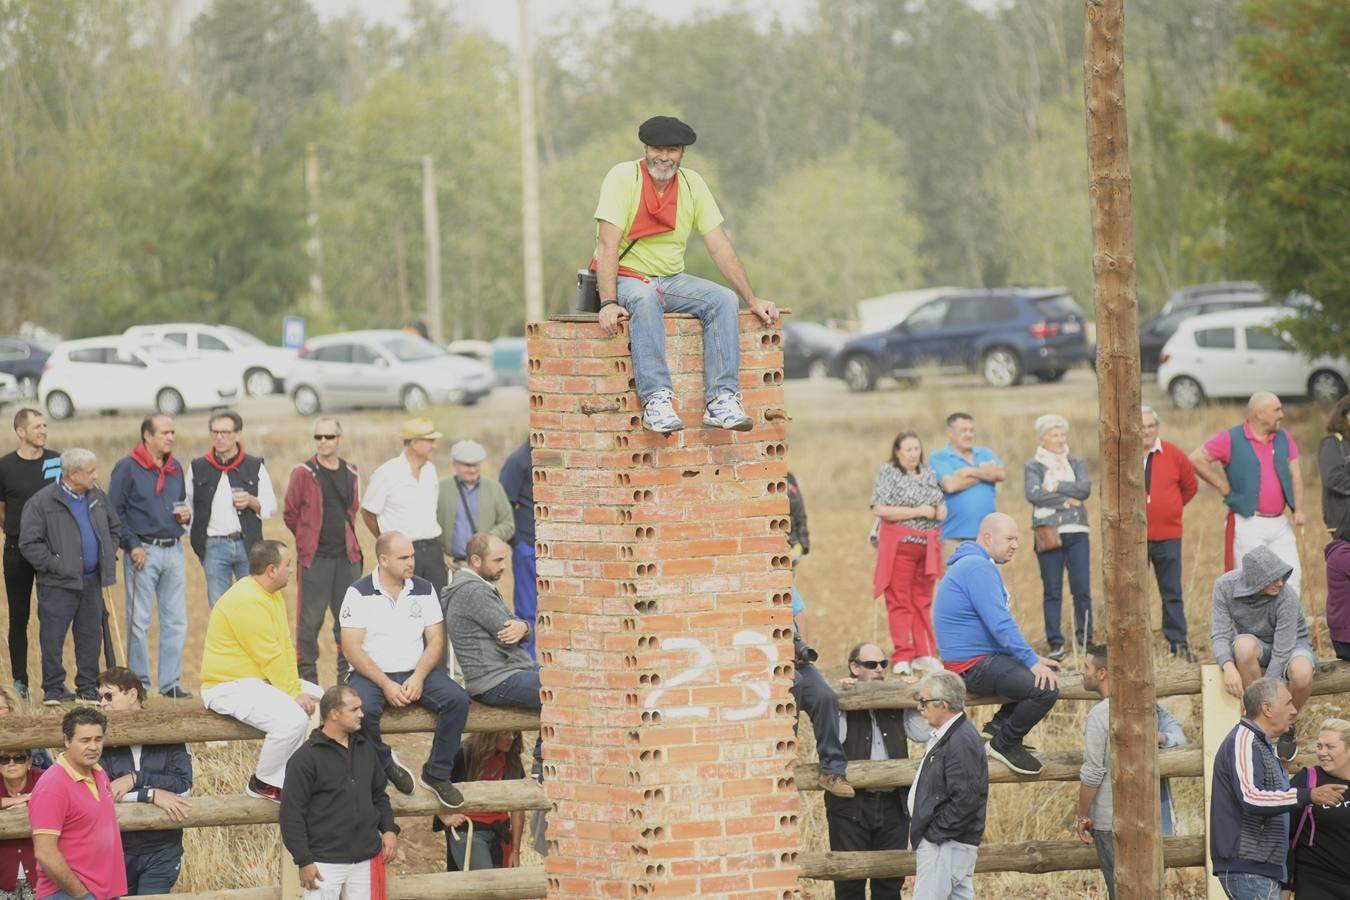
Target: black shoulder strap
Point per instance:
(464, 499)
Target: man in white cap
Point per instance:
(402, 495)
(470, 503)
(651, 206)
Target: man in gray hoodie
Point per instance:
(1257, 627)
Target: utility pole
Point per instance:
(1134, 747)
(529, 175)
(431, 226)
(401, 264)
(313, 246)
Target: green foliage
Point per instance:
(1286, 161)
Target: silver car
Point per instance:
(382, 368)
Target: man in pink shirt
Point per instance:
(1258, 479)
(75, 836)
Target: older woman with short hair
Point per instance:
(1057, 487)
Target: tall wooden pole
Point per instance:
(431, 228)
(314, 245)
(1134, 770)
(529, 176)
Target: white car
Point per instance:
(121, 374)
(383, 368)
(260, 368)
(1238, 352)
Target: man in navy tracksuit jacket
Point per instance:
(1251, 797)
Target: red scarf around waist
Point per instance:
(890, 534)
(227, 468)
(142, 458)
(378, 885)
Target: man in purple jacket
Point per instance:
(321, 503)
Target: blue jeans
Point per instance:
(1165, 557)
(224, 562)
(1076, 554)
(1246, 886)
(812, 694)
(717, 308)
(160, 582)
(1004, 676)
(520, 691)
(440, 695)
(525, 589)
(154, 872)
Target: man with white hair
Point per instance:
(69, 533)
(950, 792)
(1258, 478)
(1169, 484)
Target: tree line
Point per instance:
(152, 168)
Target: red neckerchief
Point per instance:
(656, 211)
(142, 458)
(227, 468)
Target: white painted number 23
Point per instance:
(758, 682)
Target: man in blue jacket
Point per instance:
(1251, 797)
(981, 641)
(158, 774)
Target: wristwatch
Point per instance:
(604, 303)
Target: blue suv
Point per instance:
(1002, 333)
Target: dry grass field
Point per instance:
(837, 442)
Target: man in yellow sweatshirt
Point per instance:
(248, 666)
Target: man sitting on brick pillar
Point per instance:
(651, 205)
(488, 639)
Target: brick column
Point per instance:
(665, 624)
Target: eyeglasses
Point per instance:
(7, 759)
(924, 701)
(222, 432)
(325, 437)
(106, 695)
(872, 664)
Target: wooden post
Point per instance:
(1220, 711)
(1134, 771)
(431, 227)
(529, 175)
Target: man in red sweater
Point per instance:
(1169, 484)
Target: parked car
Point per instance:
(260, 368)
(808, 349)
(121, 374)
(383, 368)
(1157, 329)
(1003, 333)
(1201, 294)
(24, 358)
(1240, 351)
(472, 348)
(509, 355)
(9, 388)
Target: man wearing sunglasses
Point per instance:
(322, 501)
(871, 819)
(158, 774)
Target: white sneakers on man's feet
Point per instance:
(658, 414)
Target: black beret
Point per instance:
(666, 131)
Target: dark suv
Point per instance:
(1002, 333)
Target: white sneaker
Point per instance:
(928, 664)
(902, 668)
(658, 414)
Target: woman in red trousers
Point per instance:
(908, 505)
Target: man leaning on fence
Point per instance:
(336, 821)
(248, 666)
(1250, 797)
(156, 774)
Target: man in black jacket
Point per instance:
(947, 800)
(69, 533)
(871, 819)
(336, 820)
(158, 774)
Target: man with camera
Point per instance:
(651, 205)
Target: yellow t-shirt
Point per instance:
(247, 636)
(655, 254)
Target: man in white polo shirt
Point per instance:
(402, 497)
(393, 638)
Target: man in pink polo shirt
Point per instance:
(75, 836)
(1258, 479)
